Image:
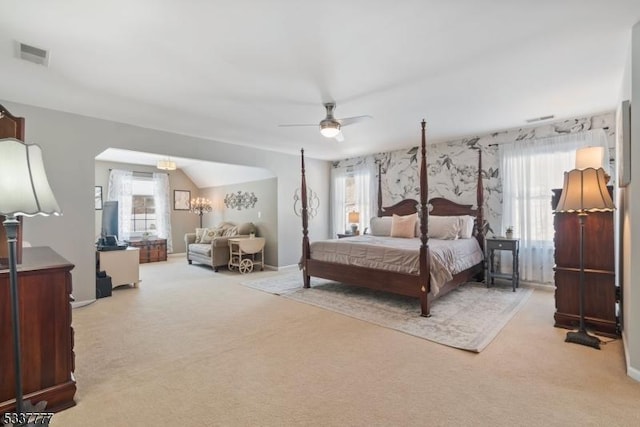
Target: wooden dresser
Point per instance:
(601, 294)
(151, 250)
(48, 361)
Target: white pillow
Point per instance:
(199, 234)
(404, 226)
(466, 226)
(380, 226)
(443, 227)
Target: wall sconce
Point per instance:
(240, 200)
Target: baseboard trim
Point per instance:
(288, 267)
(78, 304)
(631, 371)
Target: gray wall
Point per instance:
(181, 221)
(264, 215)
(70, 144)
(629, 213)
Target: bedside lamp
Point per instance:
(584, 191)
(354, 219)
(25, 191)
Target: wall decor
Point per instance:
(624, 135)
(240, 200)
(98, 197)
(181, 200)
(313, 202)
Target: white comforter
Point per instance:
(447, 257)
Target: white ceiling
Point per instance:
(202, 174)
(232, 71)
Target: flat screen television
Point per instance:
(110, 218)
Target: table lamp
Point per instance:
(354, 219)
(25, 191)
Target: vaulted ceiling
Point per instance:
(232, 71)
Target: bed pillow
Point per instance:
(403, 226)
(466, 224)
(444, 227)
(380, 226)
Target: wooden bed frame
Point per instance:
(413, 285)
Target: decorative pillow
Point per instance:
(231, 231)
(199, 233)
(403, 226)
(380, 226)
(443, 227)
(466, 223)
(208, 235)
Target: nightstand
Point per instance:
(493, 244)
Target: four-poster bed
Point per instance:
(413, 282)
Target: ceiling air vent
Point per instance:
(33, 54)
(540, 119)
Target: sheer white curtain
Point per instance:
(530, 170)
(163, 207)
(360, 197)
(121, 190)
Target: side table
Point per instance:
(493, 244)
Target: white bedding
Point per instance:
(447, 257)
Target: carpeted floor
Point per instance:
(190, 347)
(467, 318)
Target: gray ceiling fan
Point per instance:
(331, 127)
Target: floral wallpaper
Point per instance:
(452, 166)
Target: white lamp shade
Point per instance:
(590, 157)
(24, 188)
(330, 130)
(585, 191)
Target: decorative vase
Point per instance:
(509, 234)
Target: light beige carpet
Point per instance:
(468, 318)
(191, 347)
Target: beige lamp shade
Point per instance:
(585, 191)
(354, 217)
(166, 165)
(590, 157)
(24, 187)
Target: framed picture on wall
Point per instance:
(624, 135)
(98, 197)
(181, 200)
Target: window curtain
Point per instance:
(364, 194)
(121, 190)
(530, 170)
(163, 207)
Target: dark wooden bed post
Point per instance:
(305, 225)
(379, 189)
(425, 286)
(480, 203)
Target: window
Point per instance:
(353, 190)
(530, 170)
(143, 209)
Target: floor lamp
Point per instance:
(200, 206)
(584, 190)
(24, 191)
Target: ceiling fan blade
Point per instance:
(293, 125)
(351, 120)
(339, 137)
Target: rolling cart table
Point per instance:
(244, 252)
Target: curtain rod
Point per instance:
(145, 173)
(605, 128)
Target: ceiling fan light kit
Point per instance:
(330, 127)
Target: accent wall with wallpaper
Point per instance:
(452, 166)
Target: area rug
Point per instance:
(467, 318)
